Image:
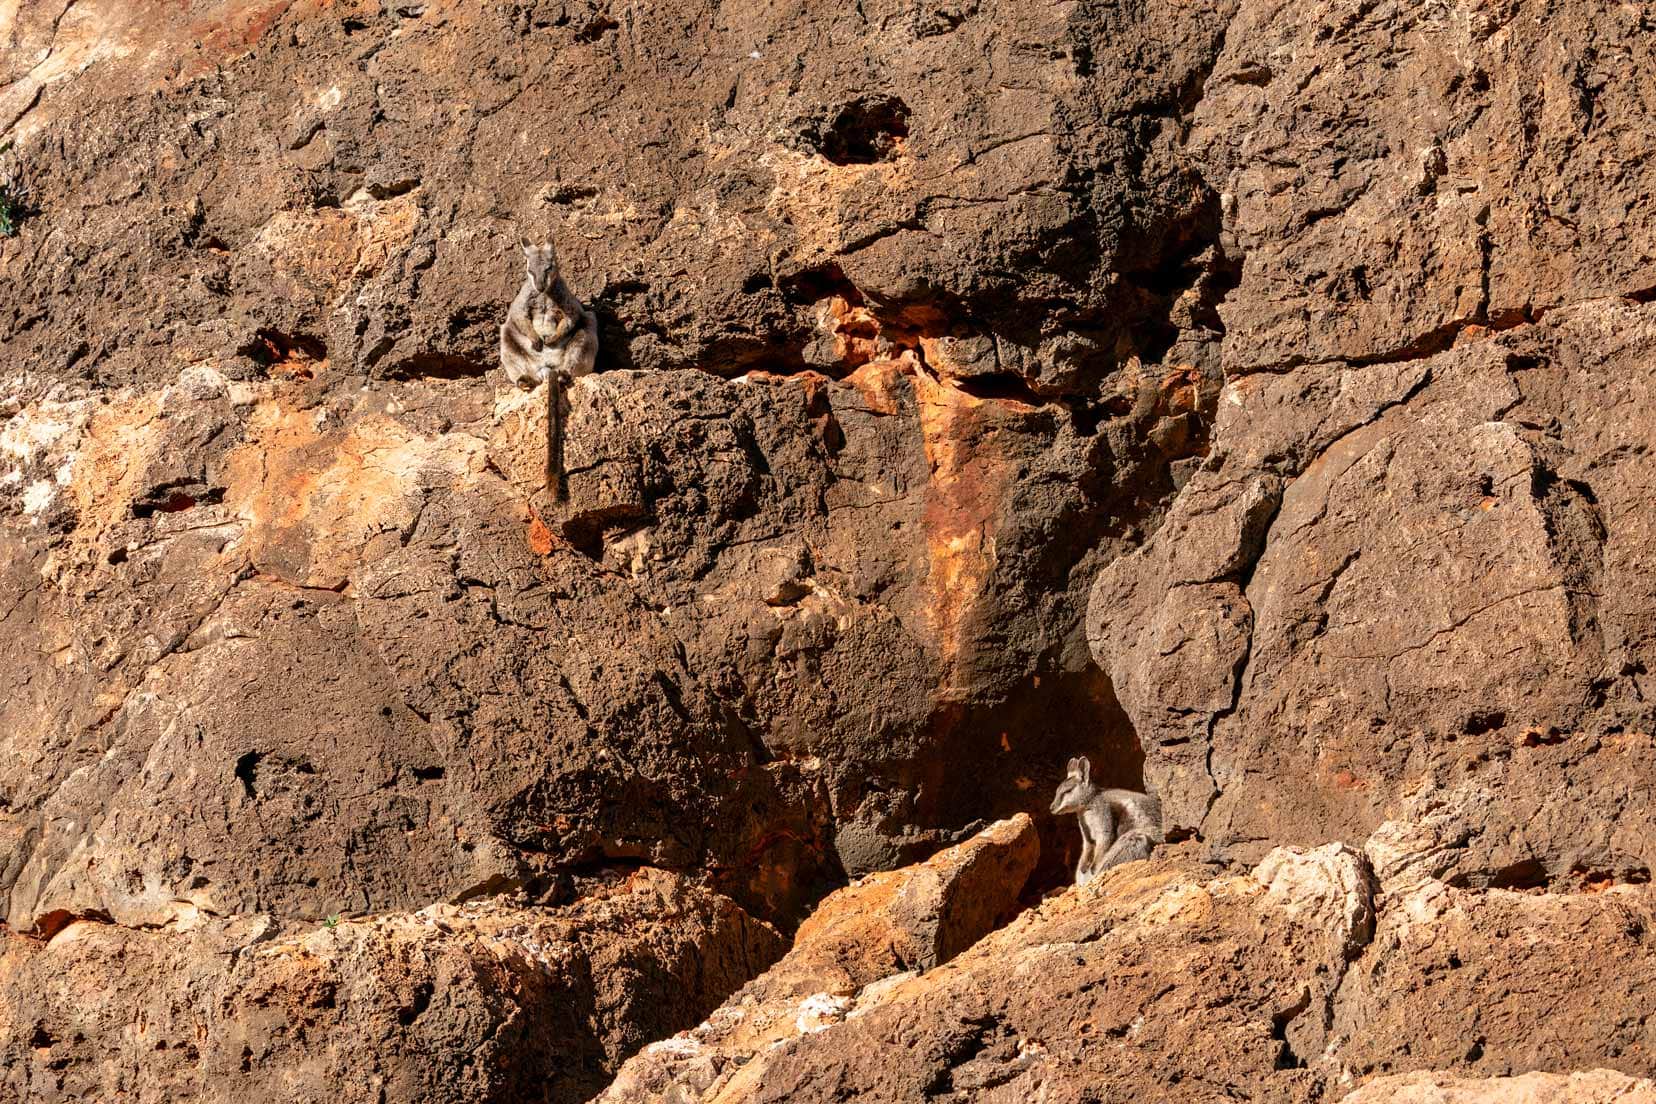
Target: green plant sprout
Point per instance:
(14, 206)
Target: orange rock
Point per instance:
(860, 941)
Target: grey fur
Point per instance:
(1117, 826)
(548, 337)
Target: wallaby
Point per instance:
(548, 337)
(1117, 826)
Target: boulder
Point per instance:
(484, 1001)
(860, 943)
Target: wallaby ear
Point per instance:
(525, 244)
(1086, 768)
(1072, 769)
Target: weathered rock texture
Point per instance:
(1593, 1087)
(1251, 396)
(255, 460)
(1317, 972)
(863, 939)
(1163, 984)
(452, 1003)
(1414, 550)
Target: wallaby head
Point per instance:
(1076, 789)
(542, 262)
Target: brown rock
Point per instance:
(296, 631)
(1447, 591)
(1447, 985)
(1300, 981)
(269, 619)
(1309, 343)
(713, 217)
(1452, 975)
(861, 941)
(1385, 206)
(306, 659)
(1588, 1087)
(476, 1002)
(915, 918)
(1155, 981)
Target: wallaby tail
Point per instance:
(557, 408)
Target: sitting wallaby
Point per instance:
(548, 337)
(1117, 826)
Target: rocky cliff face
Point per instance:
(1250, 396)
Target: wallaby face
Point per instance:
(1076, 790)
(541, 261)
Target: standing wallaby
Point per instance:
(1117, 826)
(548, 337)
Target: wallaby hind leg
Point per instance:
(1131, 846)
